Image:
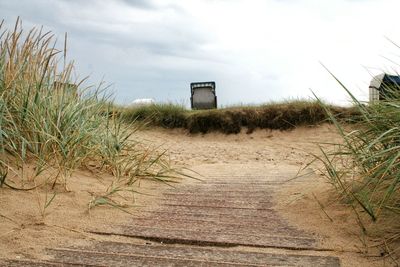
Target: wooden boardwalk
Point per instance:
(225, 220)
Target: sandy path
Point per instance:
(274, 147)
(214, 156)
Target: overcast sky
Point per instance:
(255, 50)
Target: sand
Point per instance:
(26, 230)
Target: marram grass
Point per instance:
(50, 123)
(365, 167)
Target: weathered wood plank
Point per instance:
(111, 252)
(221, 202)
(273, 225)
(211, 237)
(90, 258)
(238, 194)
(215, 210)
(207, 217)
(30, 263)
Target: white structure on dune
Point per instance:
(143, 102)
(384, 87)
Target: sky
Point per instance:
(256, 51)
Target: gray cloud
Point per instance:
(258, 51)
(140, 3)
(155, 58)
(148, 4)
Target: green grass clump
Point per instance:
(365, 167)
(231, 120)
(49, 123)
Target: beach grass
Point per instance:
(365, 167)
(51, 124)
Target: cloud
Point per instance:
(140, 4)
(256, 51)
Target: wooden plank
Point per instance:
(217, 200)
(219, 193)
(30, 263)
(276, 227)
(242, 186)
(233, 219)
(206, 217)
(213, 210)
(211, 238)
(219, 204)
(114, 253)
(90, 258)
